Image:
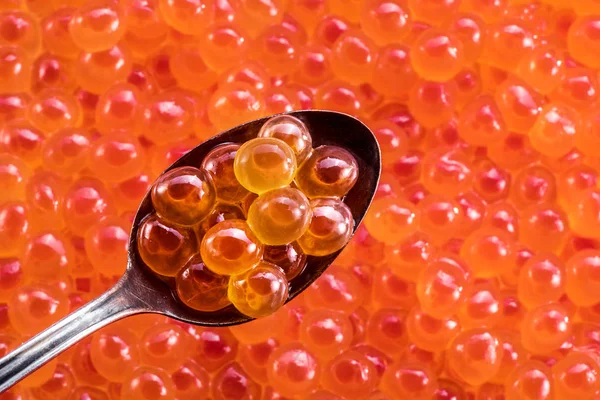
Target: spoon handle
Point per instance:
(116, 303)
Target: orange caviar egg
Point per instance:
(583, 40)
(15, 224)
(164, 345)
(409, 379)
(338, 96)
(437, 56)
(189, 69)
(394, 60)
(481, 123)
(543, 68)
(293, 369)
(165, 249)
(184, 195)
(353, 57)
(188, 17)
(146, 383)
(576, 375)
(541, 280)
(20, 29)
(543, 228)
(573, 182)
(117, 157)
(583, 216)
(119, 108)
(219, 163)
(506, 43)
(329, 171)
(280, 216)
(442, 286)
(314, 65)
(386, 330)
(335, 289)
(48, 256)
(106, 245)
(234, 104)
(97, 70)
(391, 220)
(35, 307)
(114, 353)
(475, 355)
(447, 171)
(581, 277)
(385, 21)
(519, 104)
(350, 374)
(488, 251)
(22, 140)
(545, 328)
(200, 288)
(554, 132)
(326, 333)
(54, 109)
(469, 30)
(579, 88)
(440, 218)
(530, 380)
(432, 103)
(230, 247)
(66, 151)
(55, 33)
(330, 228)
(11, 277)
(431, 334)
(260, 291)
(97, 26)
(533, 185)
(168, 117)
(15, 68)
(255, 14)
(191, 381)
(14, 176)
(86, 201)
(587, 138)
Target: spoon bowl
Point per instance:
(142, 291)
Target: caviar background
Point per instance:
(477, 272)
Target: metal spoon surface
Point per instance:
(141, 291)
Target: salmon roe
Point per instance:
(476, 274)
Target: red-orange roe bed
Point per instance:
(476, 274)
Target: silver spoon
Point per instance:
(139, 291)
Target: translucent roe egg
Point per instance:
(114, 353)
(280, 216)
(230, 248)
(330, 229)
(264, 164)
(391, 220)
(219, 163)
(437, 56)
(292, 131)
(184, 195)
(260, 291)
(329, 171)
(475, 355)
(163, 247)
(293, 370)
(98, 25)
(200, 288)
(289, 257)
